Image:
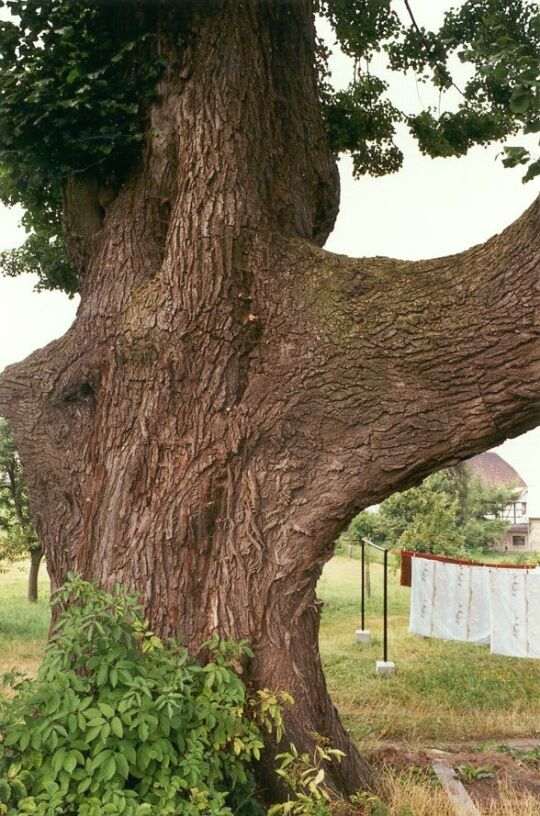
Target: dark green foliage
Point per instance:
(452, 134)
(498, 39)
(362, 110)
(361, 121)
(501, 43)
(70, 93)
(42, 254)
(73, 91)
(361, 25)
(76, 80)
(119, 723)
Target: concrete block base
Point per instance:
(363, 635)
(385, 668)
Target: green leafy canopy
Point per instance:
(74, 91)
(499, 40)
(448, 513)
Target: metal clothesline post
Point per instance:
(385, 608)
(384, 666)
(363, 585)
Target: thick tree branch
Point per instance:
(407, 367)
(393, 368)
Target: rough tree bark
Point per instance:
(230, 394)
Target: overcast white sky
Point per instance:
(431, 208)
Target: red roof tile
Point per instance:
(492, 469)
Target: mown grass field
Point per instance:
(441, 692)
(23, 626)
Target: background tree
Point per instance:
(230, 395)
(17, 534)
(449, 512)
(484, 523)
(364, 525)
(424, 518)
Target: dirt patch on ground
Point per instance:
(482, 770)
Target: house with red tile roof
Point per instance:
(523, 534)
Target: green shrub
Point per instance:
(304, 777)
(117, 722)
(309, 793)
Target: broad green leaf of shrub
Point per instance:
(117, 722)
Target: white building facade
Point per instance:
(523, 533)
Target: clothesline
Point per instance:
(408, 555)
(477, 603)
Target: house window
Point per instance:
(518, 541)
(523, 508)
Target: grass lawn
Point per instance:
(441, 692)
(23, 625)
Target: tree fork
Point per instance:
(230, 394)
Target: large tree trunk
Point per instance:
(230, 394)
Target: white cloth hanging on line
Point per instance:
(422, 596)
(450, 601)
(515, 612)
